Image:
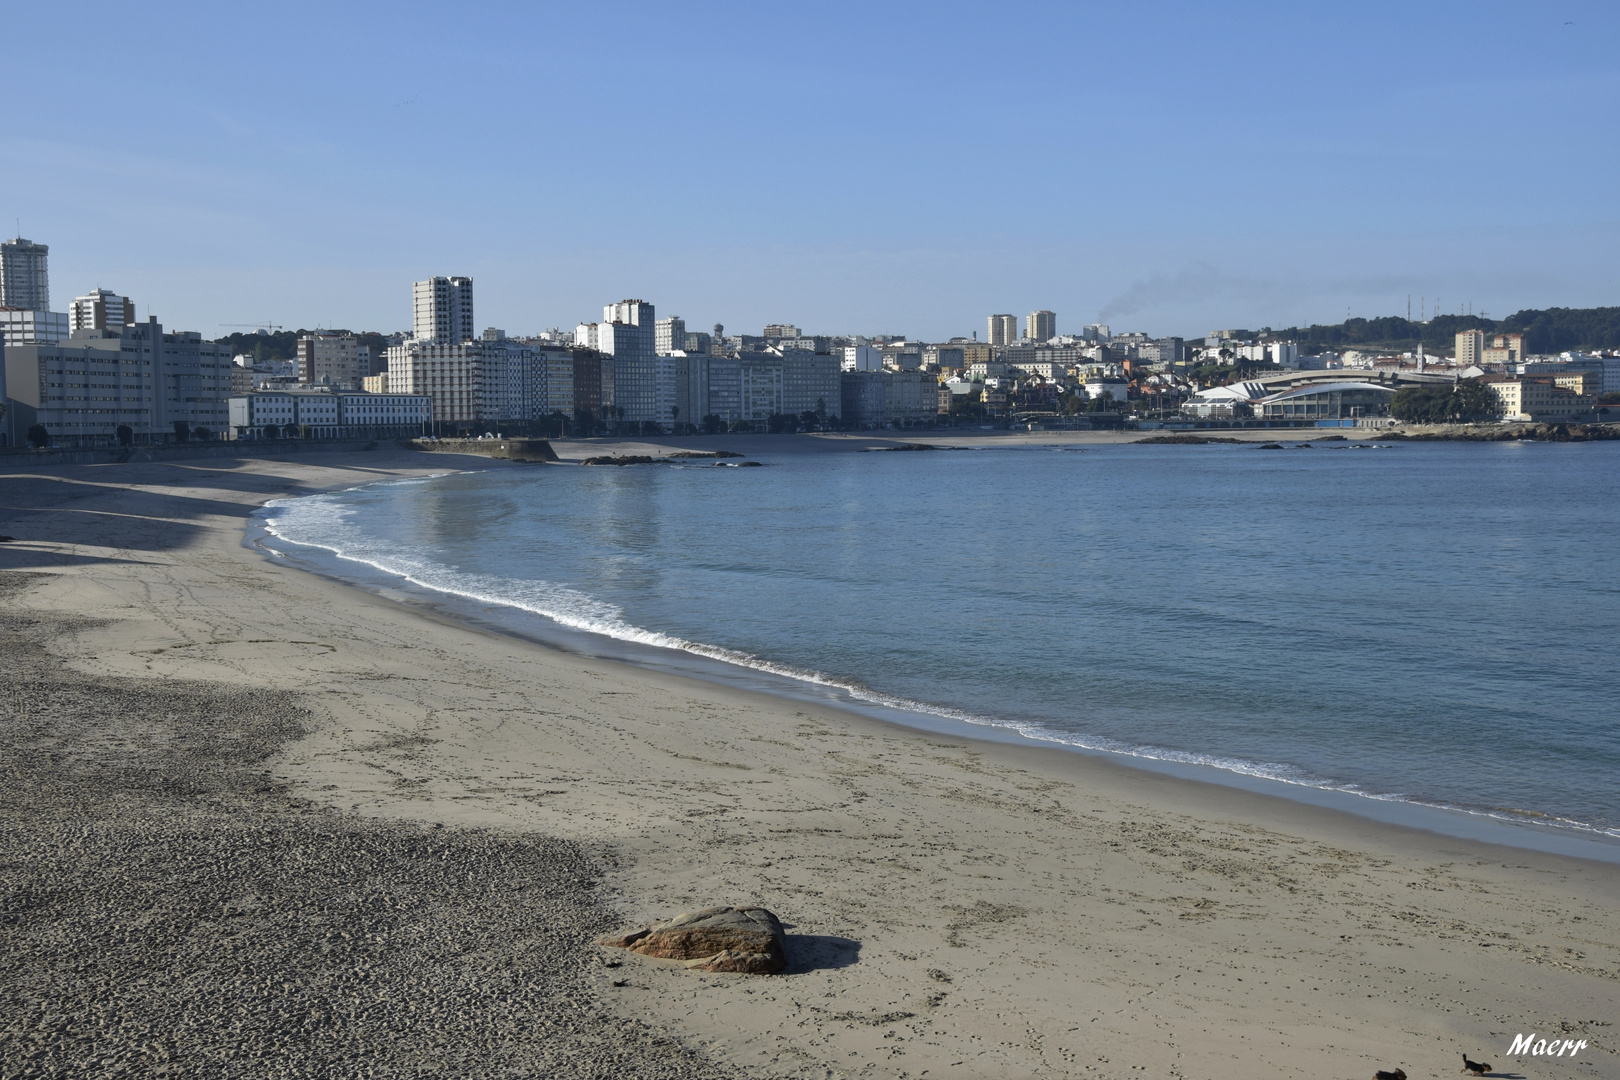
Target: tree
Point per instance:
(126, 435)
(1444, 404)
(271, 431)
(1611, 398)
(182, 431)
(38, 437)
(713, 425)
(969, 405)
(202, 434)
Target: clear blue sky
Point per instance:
(864, 167)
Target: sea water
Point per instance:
(1431, 623)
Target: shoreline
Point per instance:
(1530, 829)
(934, 885)
(703, 664)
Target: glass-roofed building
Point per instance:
(1331, 401)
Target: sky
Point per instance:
(846, 167)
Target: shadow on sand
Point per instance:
(819, 952)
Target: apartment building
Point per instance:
(83, 389)
(1040, 326)
(102, 309)
(451, 376)
(442, 310)
(1536, 399)
(25, 280)
(810, 382)
(874, 399)
(1003, 330)
(669, 335)
(336, 360)
(195, 382)
(862, 358)
(1470, 347)
(642, 387)
(1504, 349)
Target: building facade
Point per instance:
(313, 413)
(448, 375)
(1327, 401)
(442, 310)
(83, 389)
(25, 281)
(27, 326)
(669, 335)
(1470, 347)
(862, 358)
(643, 389)
(1537, 399)
(336, 360)
(1003, 330)
(195, 382)
(1040, 326)
(100, 310)
(1504, 349)
(810, 383)
(875, 399)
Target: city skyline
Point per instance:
(1173, 170)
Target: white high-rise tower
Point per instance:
(1003, 329)
(443, 310)
(24, 282)
(101, 310)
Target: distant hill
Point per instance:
(283, 344)
(1550, 331)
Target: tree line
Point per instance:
(1550, 330)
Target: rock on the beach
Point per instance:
(747, 940)
(741, 963)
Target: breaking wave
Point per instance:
(325, 522)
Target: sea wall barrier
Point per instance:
(502, 449)
(113, 455)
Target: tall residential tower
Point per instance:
(24, 282)
(1003, 329)
(101, 310)
(443, 310)
(1040, 326)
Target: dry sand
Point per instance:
(955, 907)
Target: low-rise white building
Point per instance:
(1113, 389)
(319, 414)
(1535, 399)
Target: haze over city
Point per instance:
(905, 169)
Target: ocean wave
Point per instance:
(323, 522)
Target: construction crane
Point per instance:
(263, 328)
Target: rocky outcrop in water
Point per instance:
(1514, 433)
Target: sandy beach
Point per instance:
(954, 907)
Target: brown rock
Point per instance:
(742, 963)
(720, 938)
(624, 941)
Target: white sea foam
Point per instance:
(323, 522)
